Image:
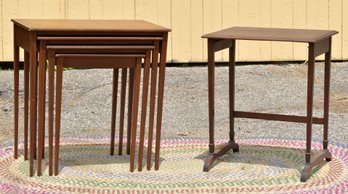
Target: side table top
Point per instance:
(89, 25)
(271, 34)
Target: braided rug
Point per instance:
(261, 166)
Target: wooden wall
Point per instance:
(189, 19)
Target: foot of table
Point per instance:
(220, 152)
(306, 172)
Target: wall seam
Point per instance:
(2, 31)
(202, 29)
(342, 29)
(135, 9)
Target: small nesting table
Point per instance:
(319, 43)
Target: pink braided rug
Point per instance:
(261, 166)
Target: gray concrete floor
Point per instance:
(260, 88)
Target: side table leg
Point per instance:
(214, 154)
(161, 80)
(326, 98)
(232, 65)
(59, 83)
(311, 161)
(41, 109)
(122, 108)
(134, 119)
(33, 90)
(310, 85)
(113, 110)
(211, 81)
(143, 109)
(154, 67)
(130, 108)
(26, 103)
(51, 65)
(16, 98)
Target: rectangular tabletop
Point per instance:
(271, 34)
(38, 25)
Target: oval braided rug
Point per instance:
(261, 166)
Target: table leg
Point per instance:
(310, 86)
(122, 110)
(16, 97)
(114, 108)
(311, 162)
(143, 109)
(232, 67)
(41, 113)
(214, 154)
(134, 119)
(26, 102)
(58, 114)
(161, 79)
(154, 67)
(33, 93)
(51, 65)
(327, 97)
(130, 107)
(211, 90)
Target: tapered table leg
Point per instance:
(161, 80)
(143, 109)
(154, 67)
(114, 108)
(33, 106)
(26, 103)
(122, 109)
(16, 97)
(134, 119)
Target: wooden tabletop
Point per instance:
(89, 25)
(271, 34)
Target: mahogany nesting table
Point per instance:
(33, 35)
(319, 43)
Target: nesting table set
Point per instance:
(123, 45)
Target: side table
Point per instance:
(319, 43)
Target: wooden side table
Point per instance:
(26, 36)
(319, 43)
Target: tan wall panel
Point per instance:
(282, 17)
(1, 34)
(249, 15)
(300, 21)
(266, 21)
(54, 9)
(335, 23)
(164, 11)
(344, 30)
(9, 11)
(229, 18)
(142, 10)
(191, 18)
(318, 16)
(118, 9)
(96, 8)
(77, 9)
(212, 21)
(196, 20)
(181, 12)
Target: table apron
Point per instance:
(222, 44)
(321, 47)
(22, 38)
